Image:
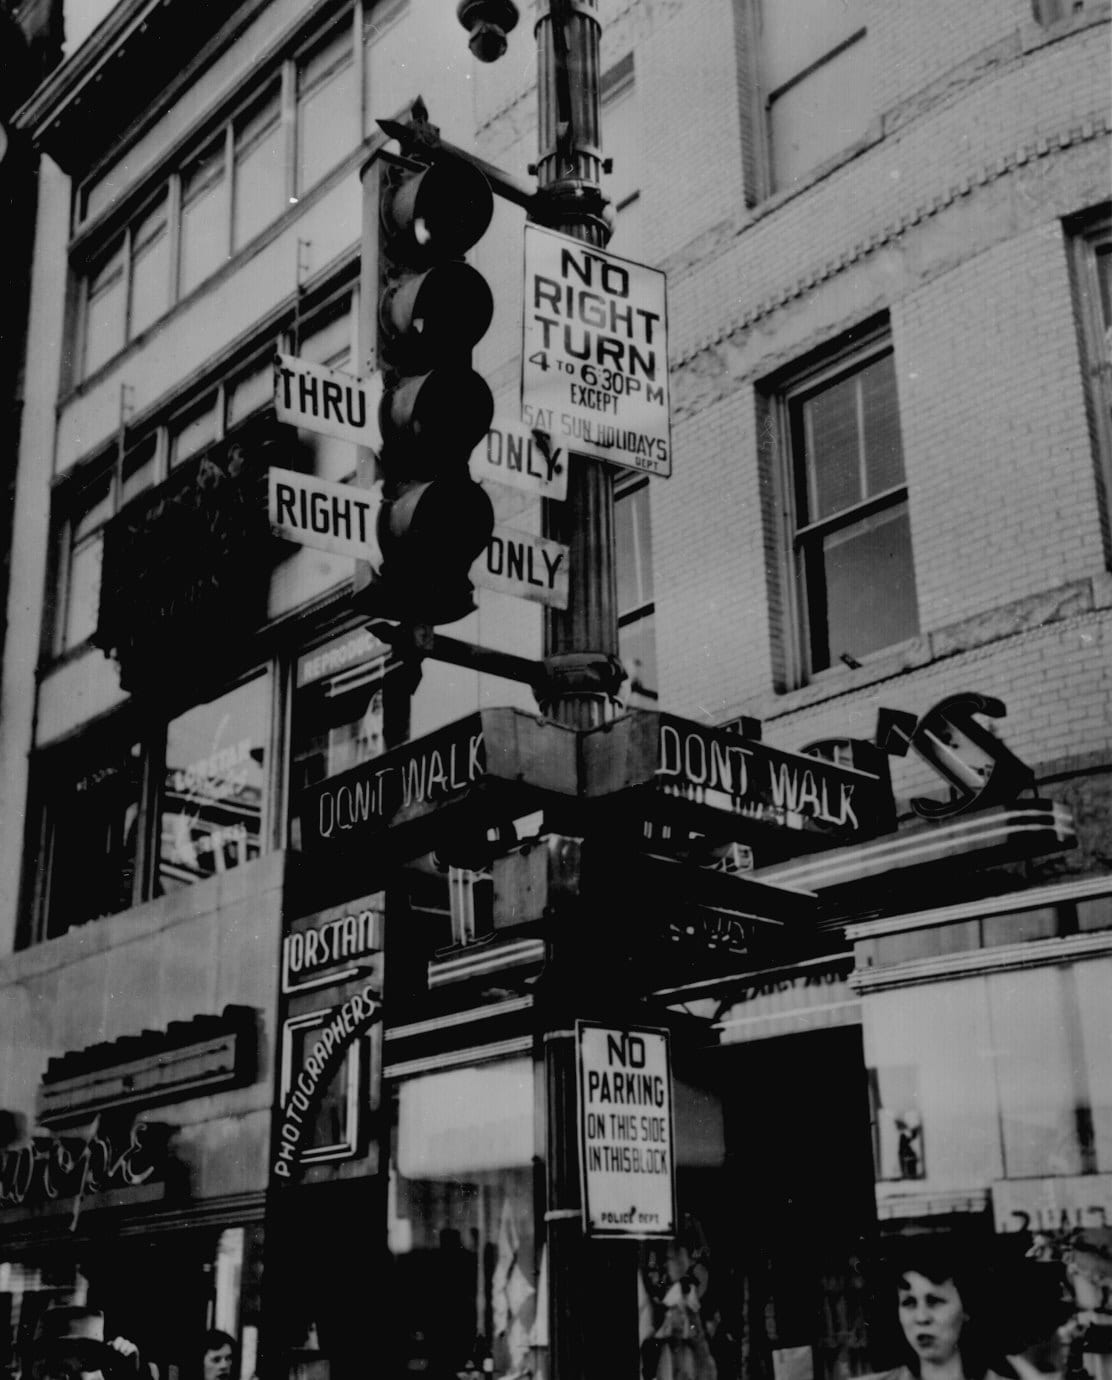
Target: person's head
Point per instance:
(218, 1356)
(69, 1345)
(937, 1309)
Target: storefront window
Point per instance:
(774, 1189)
(214, 791)
(461, 1228)
(989, 1079)
(338, 713)
(163, 1292)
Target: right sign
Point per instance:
(625, 1131)
(594, 372)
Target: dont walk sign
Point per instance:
(595, 357)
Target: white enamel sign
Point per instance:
(525, 565)
(595, 352)
(331, 517)
(512, 455)
(327, 401)
(625, 1131)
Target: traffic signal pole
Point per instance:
(592, 1302)
(583, 672)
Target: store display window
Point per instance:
(214, 786)
(339, 709)
(163, 1291)
(467, 1288)
(774, 1186)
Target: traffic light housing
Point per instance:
(430, 309)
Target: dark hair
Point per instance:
(215, 1339)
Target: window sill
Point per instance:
(894, 661)
(253, 880)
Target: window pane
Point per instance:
(622, 143)
(329, 342)
(139, 470)
(338, 713)
(94, 506)
(192, 433)
(83, 592)
(92, 818)
(866, 575)
(105, 309)
(1104, 282)
(633, 544)
(461, 1221)
(204, 219)
(250, 392)
(150, 269)
(881, 418)
(327, 108)
(1032, 1014)
(637, 648)
(260, 169)
(825, 112)
(831, 441)
(214, 786)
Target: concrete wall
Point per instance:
(190, 953)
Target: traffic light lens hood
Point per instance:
(444, 310)
(449, 518)
(442, 211)
(440, 417)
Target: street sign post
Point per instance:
(327, 401)
(317, 512)
(595, 352)
(525, 565)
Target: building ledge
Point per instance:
(184, 1060)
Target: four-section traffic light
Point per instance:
(432, 308)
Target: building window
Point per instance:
(1054, 11)
(193, 430)
(259, 161)
(222, 196)
(636, 609)
(851, 538)
(91, 837)
(150, 268)
(327, 104)
(204, 808)
(105, 309)
(338, 709)
(1092, 267)
(621, 142)
(211, 815)
(818, 92)
(92, 509)
(460, 1226)
(204, 217)
(216, 1272)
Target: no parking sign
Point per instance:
(625, 1131)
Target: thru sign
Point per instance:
(595, 358)
(327, 401)
(625, 1131)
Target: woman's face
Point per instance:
(932, 1317)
